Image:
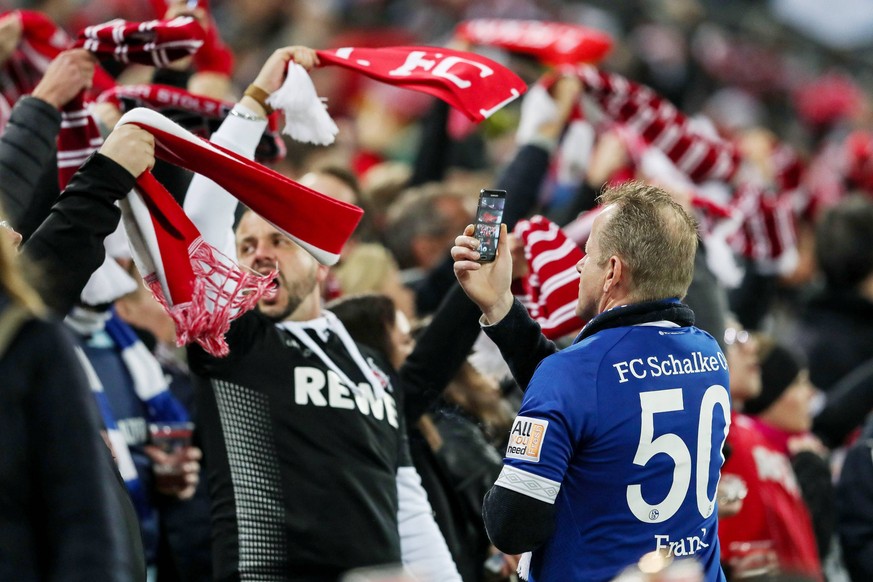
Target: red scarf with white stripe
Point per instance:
(550, 291)
(152, 43)
(155, 42)
(660, 124)
(553, 43)
(198, 114)
(41, 41)
(202, 290)
(214, 56)
(763, 217)
(471, 83)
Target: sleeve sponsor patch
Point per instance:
(526, 439)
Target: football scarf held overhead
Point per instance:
(471, 83)
(553, 43)
(198, 114)
(155, 42)
(661, 125)
(200, 288)
(550, 290)
(214, 56)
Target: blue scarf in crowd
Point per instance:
(150, 386)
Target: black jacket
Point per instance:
(59, 506)
(62, 252)
(855, 510)
(28, 163)
(837, 335)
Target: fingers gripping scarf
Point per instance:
(203, 290)
(156, 42)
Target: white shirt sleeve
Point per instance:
(423, 548)
(207, 204)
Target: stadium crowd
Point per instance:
(245, 335)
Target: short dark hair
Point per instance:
(843, 246)
(368, 318)
(342, 174)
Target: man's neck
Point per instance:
(308, 310)
(616, 301)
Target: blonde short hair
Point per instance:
(365, 269)
(655, 238)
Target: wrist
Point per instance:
(47, 97)
(498, 310)
(247, 113)
(255, 93)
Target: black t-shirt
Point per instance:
(302, 471)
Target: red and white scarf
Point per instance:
(214, 56)
(553, 43)
(471, 83)
(758, 221)
(660, 124)
(201, 289)
(41, 41)
(550, 291)
(155, 42)
(198, 114)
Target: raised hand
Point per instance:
(67, 75)
(487, 284)
(131, 147)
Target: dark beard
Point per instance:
(293, 304)
(297, 293)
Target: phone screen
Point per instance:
(489, 215)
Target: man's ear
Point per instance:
(614, 274)
(321, 273)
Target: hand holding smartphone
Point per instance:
(489, 217)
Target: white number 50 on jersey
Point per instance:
(670, 444)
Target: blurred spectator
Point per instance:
(773, 531)
(836, 326)
(370, 268)
(61, 517)
(422, 224)
(855, 508)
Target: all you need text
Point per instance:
(696, 363)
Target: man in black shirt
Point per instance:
(304, 434)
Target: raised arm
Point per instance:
(27, 144)
(504, 319)
(68, 245)
(211, 207)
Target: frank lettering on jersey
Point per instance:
(687, 546)
(526, 439)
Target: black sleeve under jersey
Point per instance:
(517, 523)
(522, 181)
(521, 342)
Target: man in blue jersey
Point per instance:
(617, 448)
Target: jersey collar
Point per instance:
(671, 310)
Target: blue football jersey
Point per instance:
(623, 432)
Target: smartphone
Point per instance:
(489, 217)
